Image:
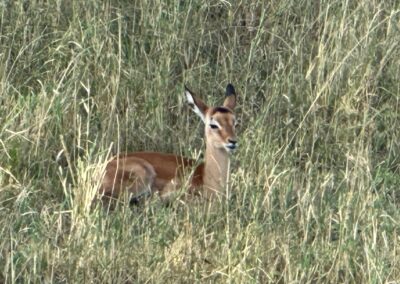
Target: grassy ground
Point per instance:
(315, 183)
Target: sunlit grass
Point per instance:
(315, 182)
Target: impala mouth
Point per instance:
(231, 147)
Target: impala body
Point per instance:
(143, 173)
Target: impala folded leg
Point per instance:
(131, 175)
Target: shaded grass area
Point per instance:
(315, 183)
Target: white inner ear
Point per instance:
(193, 105)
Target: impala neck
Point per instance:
(216, 170)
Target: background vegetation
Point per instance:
(315, 183)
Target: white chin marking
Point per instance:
(229, 150)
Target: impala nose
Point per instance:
(232, 144)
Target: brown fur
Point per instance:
(151, 172)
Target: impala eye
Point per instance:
(214, 126)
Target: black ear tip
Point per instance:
(230, 90)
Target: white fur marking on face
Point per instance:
(193, 105)
(213, 121)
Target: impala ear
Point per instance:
(230, 100)
(197, 105)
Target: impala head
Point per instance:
(219, 121)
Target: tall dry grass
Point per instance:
(315, 183)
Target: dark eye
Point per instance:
(214, 126)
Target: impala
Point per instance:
(143, 173)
